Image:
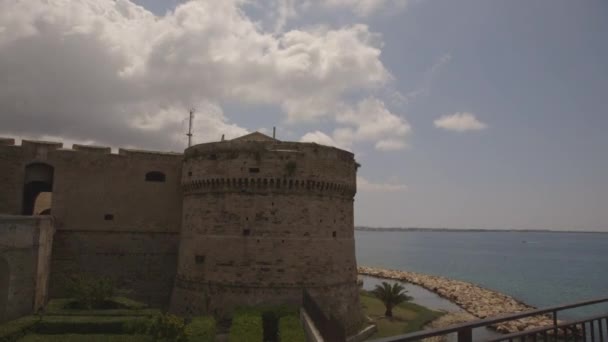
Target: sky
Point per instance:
(463, 114)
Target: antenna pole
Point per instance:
(190, 127)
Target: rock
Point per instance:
(476, 300)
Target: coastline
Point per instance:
(475, 230)
(476, 300)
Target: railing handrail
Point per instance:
(551, 327)
(488, 321)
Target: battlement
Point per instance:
(106, 150)
(7, 141)
(92, 149)
(226, 149)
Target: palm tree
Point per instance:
(391, 296)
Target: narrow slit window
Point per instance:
(155, 176)
(333, 234)
(254, 170)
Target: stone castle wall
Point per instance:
(109, 219)
(24, 264)
(253, 221)
(264, 220)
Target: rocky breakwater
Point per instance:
(480, 302)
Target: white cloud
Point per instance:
(374, 122)
(368, 121)
(319, 138)
(425, 87)
(367, 186)
(113, 72)
(460, 122)
(285, 10)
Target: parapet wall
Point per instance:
(92, 185)
(111, 218)
(25, 254)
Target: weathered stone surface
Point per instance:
(25, 247)
(110, 221)
(254, 221)
(476, 300)
(262, 220)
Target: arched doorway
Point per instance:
(4, 282)
(38, 179)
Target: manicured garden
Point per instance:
(406, 316)
(280, 323)
(94, 314)
(247, 325)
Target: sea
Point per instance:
(541, 269)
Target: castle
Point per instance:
(248, 221)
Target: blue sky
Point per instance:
(533, 75)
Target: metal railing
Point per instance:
(590, 329)
(587, 330)
(329, 327)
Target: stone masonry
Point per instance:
(249, 221)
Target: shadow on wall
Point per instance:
(4, 282)
(38, 180)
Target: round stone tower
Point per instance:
(263, 220)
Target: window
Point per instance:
(108, 217)
(333, 234)
(155, 176)
(254, 170)
(199, 259)
(246, 232)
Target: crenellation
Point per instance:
(7, 141)
(60, 146)
(52, 145)
(146, 153)
(92, 149)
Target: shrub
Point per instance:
(13, 330)
(201, 329)
(137, 326)
(86, 337)
(127, 303)
(84, 324)
(290, 329)
(117, 306)
(168, 328)
(246, 327)
(91, 292)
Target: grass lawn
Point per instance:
(407, 317)
(86, 338)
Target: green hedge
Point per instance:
(291, 330)
(85, 324)
(123, 307)
(201, 329)
(87, 338)
(13, 330)
(246, 327)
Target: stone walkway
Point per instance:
(476, 300)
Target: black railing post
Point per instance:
(465, 335)
(554, 314)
